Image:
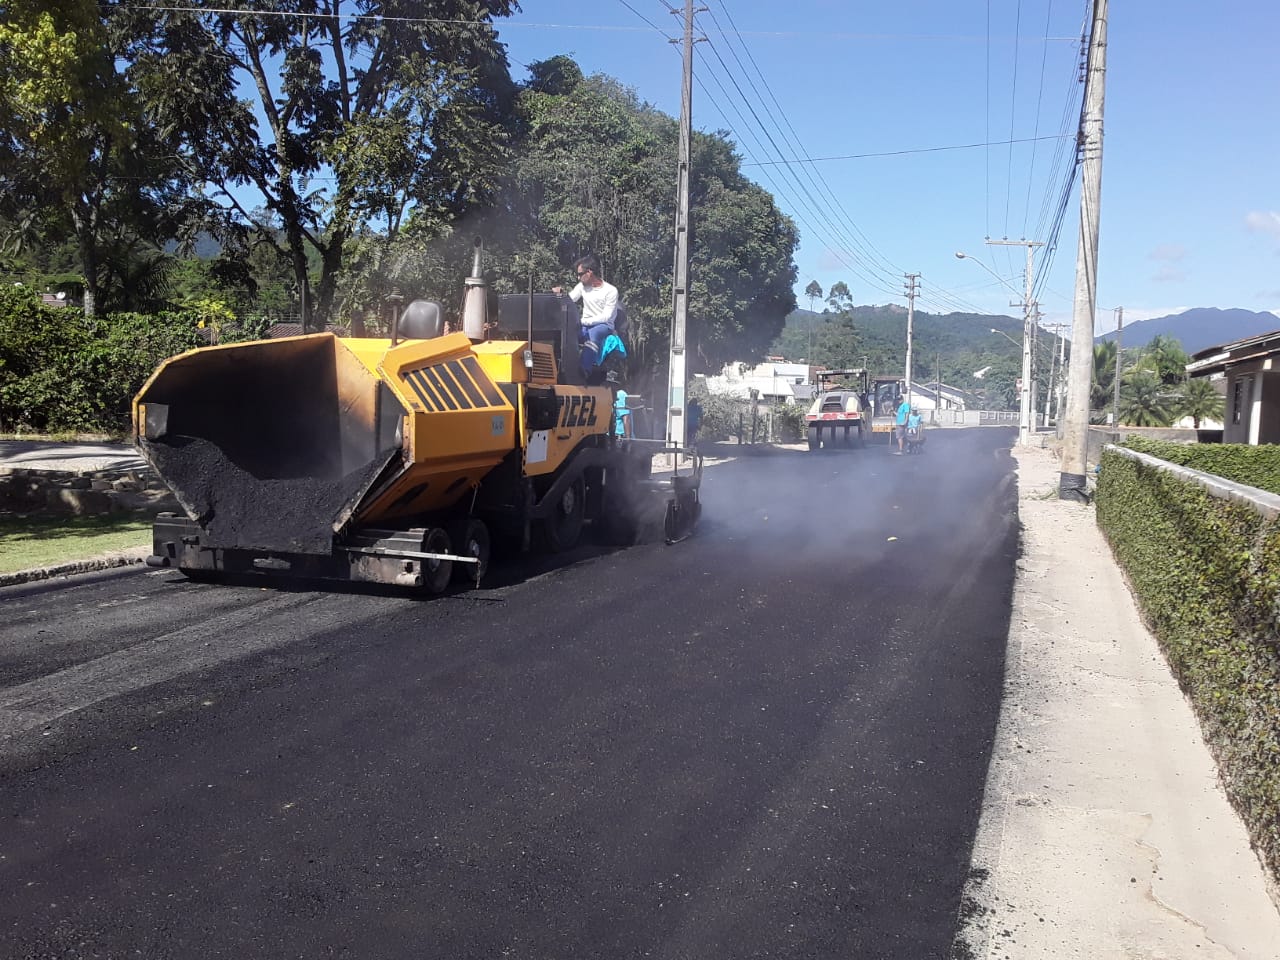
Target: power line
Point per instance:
(807, 200)
(914, 150)
(868, 249)
(835, 218)
(1044, 57)
(1013, 104)
(648, 21)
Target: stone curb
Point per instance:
(107, 561)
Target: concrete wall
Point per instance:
(1100, 436)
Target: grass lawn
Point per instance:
(42, 540)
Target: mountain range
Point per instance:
(1197, 329)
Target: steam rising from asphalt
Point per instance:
(842, 507)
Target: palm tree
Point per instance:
(1200, 401)
(1144, 401)
(1104, 375)
(1164, 354)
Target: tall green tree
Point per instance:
(341, 119)
(814, 292)
(840, 298)
(81, 161)
(593, 173)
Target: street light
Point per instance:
(1006, 336)
(1024, 395)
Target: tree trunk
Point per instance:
(83, 221)
(298, 261)
(330, 270)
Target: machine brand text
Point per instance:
(577, 411)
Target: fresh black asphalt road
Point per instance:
(769, 740)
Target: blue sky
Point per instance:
(1190, 196)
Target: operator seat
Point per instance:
(421, 320)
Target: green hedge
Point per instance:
(1257, 466)
(1206, 572)
(61, 371)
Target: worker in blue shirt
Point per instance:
(900, 423)
(621, 415)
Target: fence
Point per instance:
(974, 418)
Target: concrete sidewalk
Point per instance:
(1105, 832)
(75, 457)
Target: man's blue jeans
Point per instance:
(592, 339)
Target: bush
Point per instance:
(789, 424)
(63, 372)
(720, 416)
(1206, 572)
(41, 350)
(724, 416)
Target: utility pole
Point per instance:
(1115, 403)
(678, 369)
(1060, 396)
(1048, 384)
(1028, 325)
(937, 387)
(1052, 393)
(912, 288)
(1075, 442)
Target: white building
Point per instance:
(932, 396)
(774, 381)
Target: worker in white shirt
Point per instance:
(599, 302)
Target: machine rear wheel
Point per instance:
(436, 573)
(815, 440)
(561, 529)
(471, 539)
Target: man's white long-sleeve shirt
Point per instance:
(599, 304)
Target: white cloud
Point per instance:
(1169, 275)
(1172, 252)
(1263, 221)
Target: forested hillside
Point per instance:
(958, 346)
